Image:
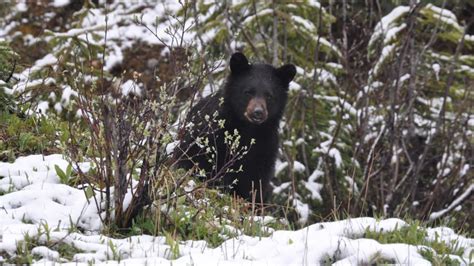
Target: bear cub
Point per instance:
(250, 103)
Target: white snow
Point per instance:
(387, 22)
(469, 38)
(42, 107)
(302, 209)
(61, 3)
(260, 13)
(114, 28)
(305, 23)
(281, 187)
(294, 86)
(76, 32)
(171, 146)
(22, 86)
(455, 203)
(314, 187)
(445, 16)
(21, 7)
(37, 196)
(334, 153)
(67, 93)
(392, 33)
(450, 238)
(436, 68)
(280, 166)
(47, 60)
(298, 167)
(386, 52)
(34, 201)
(130, 87)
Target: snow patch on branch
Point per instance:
(387, 51)
(388, 22)
(445, 16)
(454, 204)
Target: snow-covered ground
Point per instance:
(34, 204)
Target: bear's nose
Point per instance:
(258, 114)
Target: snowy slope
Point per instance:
(33, 200)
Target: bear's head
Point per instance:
(257, 93)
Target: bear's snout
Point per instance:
(256, 111)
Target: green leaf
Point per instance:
(89, 192)
(63, 178)
(69, 170)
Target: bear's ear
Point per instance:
(238, 63)
(286, 73)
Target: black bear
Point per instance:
(233, 134)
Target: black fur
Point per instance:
(268, 88)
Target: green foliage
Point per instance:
(412, 234)
(7, 66)
(415, 234)
(26, 135)
(301, 25)
(203, 215)
(113, 249)
(67, 251)
(7, 61)
(64, 177)
(174, 246)
(436, 258)
(42, 238)
(23, 251)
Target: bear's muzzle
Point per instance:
(256, 111)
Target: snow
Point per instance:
(451, 239)
(469, 38)
(67, 93)
(61, 3)
(387, 22)
(42, 107)
(130, 87)
(325, 42)
(35, 189)
(35, 201)
(314, 3)
(436, 68)
(345, 104)
(455, 203)
(281, 187)
(47, 60)
(386, 52)
(445, 16)
(304, 22)
(22, 86)
(392, 33)
(21, 7)
(114, 58)
(76, 32)
(334, 153)
(297, 167)
(314, 187)
(302, 209)
(46, 253)
(294, 86)
(123, 31)
(260, 13)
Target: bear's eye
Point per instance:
(268, 96)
